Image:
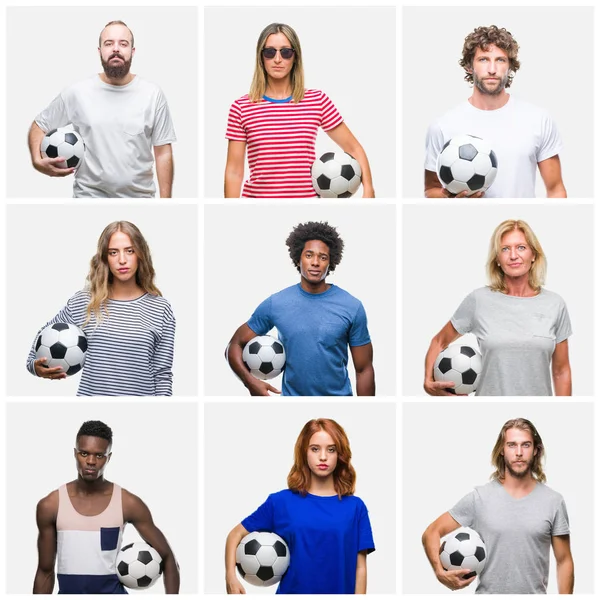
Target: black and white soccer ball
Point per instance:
(64, 142)
(467, 164)
(64, 345)
(262, 558)
(336, 175)
(139, 565)
(461, 364)
(463, 548)
(264, 356)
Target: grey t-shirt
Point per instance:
(517, 337)
(517, 533)
(120, 125)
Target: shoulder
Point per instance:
(79, 300)
(314, 95)
(282, 497)
(554, 496)
(133, 506)
(158, 303)
(450, 116)
(552, 296)
(83, 85)
(482, 292)
(355, 501)
(528, 109)
(242, 102)
(47, 507)
(291, 290)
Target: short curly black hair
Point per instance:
(315, 230)
(96, 429)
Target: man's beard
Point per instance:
(520, 474)
(116, 70)
(500, 85)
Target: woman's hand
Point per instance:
(438, 388)
(234, 586)
(48, 372)
(368, 192)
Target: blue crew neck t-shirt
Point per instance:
(316, 330)
(324, 535)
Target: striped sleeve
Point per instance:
(330, 117)
(235, 130)
(163, 357)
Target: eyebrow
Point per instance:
(127, 248)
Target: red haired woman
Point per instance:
(325, 525)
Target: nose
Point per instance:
(122, 258)
(277, 58)
(90, 459)
(519, 451)
(315, 261)
(513, 253)
(323, 456)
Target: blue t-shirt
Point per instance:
(316, 330)
(324, 535)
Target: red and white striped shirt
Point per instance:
(280, 138)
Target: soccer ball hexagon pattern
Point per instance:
(64, 345)
(262, 558)
(139, 565)
(463, 549)
(336, 175)
(461, 364)
(467, 164)
(64, 142)
(264, 356)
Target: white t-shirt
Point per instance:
(521, 135)
(119, 125)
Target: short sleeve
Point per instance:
(551, 144)
(262, 518)
(434, 142)
(563, 323)
(359, 333)
(53, 116)
(163, 131)
(463, 511)
(462, 320)
(560, 524)
(236, 131)
(261, 321)
(365, 533)
(330, 117)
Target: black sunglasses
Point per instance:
(286, 53)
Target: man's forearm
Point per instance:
(43, 582)
(164, 172)
(565, 573)
(171, 575)
(36, 135)
(365, 382)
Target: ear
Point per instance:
(132, 52)
(108, 457)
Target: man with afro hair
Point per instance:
(316, 321)
(81, 525)
(523, 136)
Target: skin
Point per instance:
(314, 267)
(321, 459)
(518, 451)
(90, 495)
(279, 86)
(490, 72)
(515, 258)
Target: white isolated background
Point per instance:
(433, 81)
(251, 456)
(348, 52)
(155, 445)
(48, 258)
(246, 260)
(446, 453)
(445, 249)
(50, 48)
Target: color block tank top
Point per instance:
(87, 547)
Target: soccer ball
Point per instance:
(461, 364)
(262, 558)
(467, 164)
(64, 345)
(264, 356)
(463, 549)
(336, 175)
(63, 142)
(139, 565)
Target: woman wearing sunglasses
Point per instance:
(277, 122)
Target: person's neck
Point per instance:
(124, 291)
(518, 487)
(279, 89)
(89, 488)
(322, 487)
(314, 288)
(117, 81)
(488, 101)
(519, 286)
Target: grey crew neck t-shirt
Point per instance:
(517, 337)
(517, 533)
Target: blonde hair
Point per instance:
(100, 278)
(537, 272)
(498, 462)
(258, 86)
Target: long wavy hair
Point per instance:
(258, 86)
(495, 274)
(344, 475)
(100, 278)
(498, 462)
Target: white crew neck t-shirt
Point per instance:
(521, 135)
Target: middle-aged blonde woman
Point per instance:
(522, 328)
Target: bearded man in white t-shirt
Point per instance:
(523, 137)
(124, 122)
